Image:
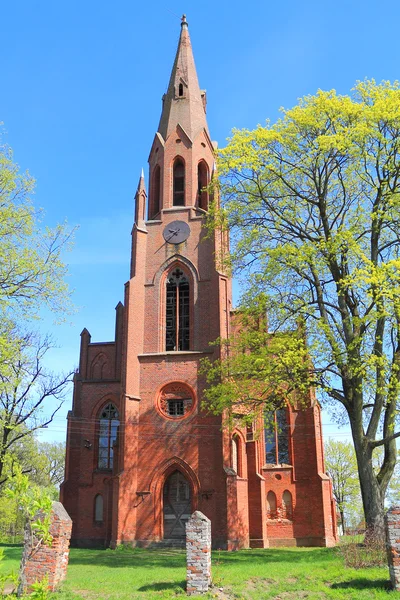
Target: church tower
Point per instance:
(142, 454)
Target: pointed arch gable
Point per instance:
(158, 479)
(167, 467)
(102, 402)
(170, 263)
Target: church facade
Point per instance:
(142, 454)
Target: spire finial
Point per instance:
(184, 22)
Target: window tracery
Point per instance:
(108, 430)
(276, 436)
(177, 319)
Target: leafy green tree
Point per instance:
(313, 203)
(32, 272)
(341, 465)
(48, 470)
(25, 386)
(32, 278)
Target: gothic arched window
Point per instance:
(177, 318)
(287, 505)
(271, 506)
(236, 455)
(108, 429)
(202, 183)
(276, 435)
(98, 508)
(179, 183)
(155, 192)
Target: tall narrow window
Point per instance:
(180, 89)
(98, 508)
(155, 192)
(276, 435)
(236, 458)
(271, 506)
(177, 312)
(202, 183)
(179, 183)
(287, 505)
(108, 429)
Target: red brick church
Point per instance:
(142, 454)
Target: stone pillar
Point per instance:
(198, 554)
(47, 561)
(392, 522)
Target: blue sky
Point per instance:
(81, 98)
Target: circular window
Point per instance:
(176, 400)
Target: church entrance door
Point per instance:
(177, 506)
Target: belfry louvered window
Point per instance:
(177, 312)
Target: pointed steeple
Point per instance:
(141, 185)
(140, 204)
(184, 102)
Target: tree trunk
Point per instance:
(371, 494)
(341, 512)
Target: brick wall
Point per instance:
(198, 554)
(40, 561)
(392, 522)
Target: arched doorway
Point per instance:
(177, 500)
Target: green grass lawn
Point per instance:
(280, 574)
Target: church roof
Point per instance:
(184, 102)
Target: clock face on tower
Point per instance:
(176, 232)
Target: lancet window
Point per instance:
(177, 311)
(287, 505)
(98, 508)
(155, 192)
(276, 435)
(108, 430)
(236, 457)
(271, 506)
(179, 183)
(202, 183)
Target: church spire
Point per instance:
(140, 201)
(184, 102)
